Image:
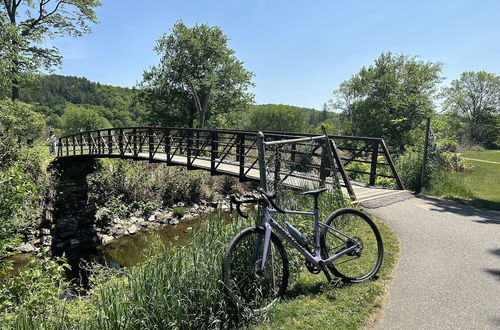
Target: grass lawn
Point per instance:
(312, 304)
(490, 155)
(479, 187)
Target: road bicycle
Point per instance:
(255, 264)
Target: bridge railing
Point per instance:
(221, 151)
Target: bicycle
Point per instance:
(255, 264)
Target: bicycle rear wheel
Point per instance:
(244, 284)
(346, 228)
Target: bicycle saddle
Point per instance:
(314, 192)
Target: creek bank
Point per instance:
(138, 221)
(67, 232)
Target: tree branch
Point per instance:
(41, 16)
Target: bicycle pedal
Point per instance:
(335, 282)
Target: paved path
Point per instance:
(449, 271)
(482, 160)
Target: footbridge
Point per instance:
(364, 164)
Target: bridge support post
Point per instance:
(168, 144)
(134, 139)
(262, 161)
(110, 142)
(189, 142)
(214, 148)
(241, 156)
(151, 141)
(120, 141)
(374, 161)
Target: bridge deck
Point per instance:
(363, 192)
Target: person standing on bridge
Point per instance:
(52, 139)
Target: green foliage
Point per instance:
(474, 100)
(141, 187)
(25, 25)
(78, 118)
(409, 166)
(179, 211)
(198, 77)
(390, 98)
(451, 161)
(19, 120)
(277, 117)
(35, 291)
(50, 93)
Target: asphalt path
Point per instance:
(448, 276)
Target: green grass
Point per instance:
(180, 288)
(490, 155)
(312, 304)
(480, 187)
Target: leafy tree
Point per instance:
(389, 98)
(18, 119)
(198, 77)
(24, 26)
(277, 117)
(77, 118)
(474, 99)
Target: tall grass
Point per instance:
(175, 288)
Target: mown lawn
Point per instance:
(480, 187)
(490, 155)
(312, 304)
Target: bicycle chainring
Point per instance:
(313, 269)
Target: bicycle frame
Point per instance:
(269, 223)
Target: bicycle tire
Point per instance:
(364, 262)
(243, 285)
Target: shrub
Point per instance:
(453, 162)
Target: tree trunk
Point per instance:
(15, 90)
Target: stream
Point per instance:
(122, 252)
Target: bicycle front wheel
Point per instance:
(346, 228)
(244, 283)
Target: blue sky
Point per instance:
(300, 51)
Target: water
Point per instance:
(122, 252)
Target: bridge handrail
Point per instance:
(353, 153)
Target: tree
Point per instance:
(277, 117)
(474, 99)
(77, 118)
(389, 98)
(198, 77)
(24, 26)
(17, 119)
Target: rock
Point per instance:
(46, 240)
(195, 206)
(67, 226)
(174, 221)
(26, 248)
(134, 219)
(225, 207)
(180, 204)
(152, 217)
(117, 220)
(188, 229)
(132, 229)
(164, 217)
(106, 239)
(187, 217)
(137, 213)
(45, 231)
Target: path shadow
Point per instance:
(494, 272)
(475, 214)
(495, 252)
